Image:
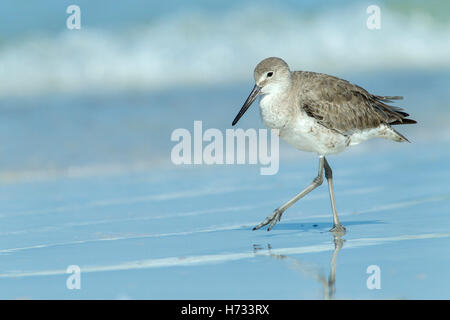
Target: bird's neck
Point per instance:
(274, 111)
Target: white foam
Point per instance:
(204, 48)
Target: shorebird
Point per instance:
(319, 113)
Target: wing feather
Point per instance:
(342, 106)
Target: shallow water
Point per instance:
(90, 183)
(187, 233)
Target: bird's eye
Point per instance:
(269, 74)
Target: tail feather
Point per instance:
(389, 98)
(396, 115)
(399, 137)
(404, 121)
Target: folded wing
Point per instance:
(342, 106)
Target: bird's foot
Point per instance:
(338, 229)
(271, 220)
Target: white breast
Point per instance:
(297, 128)
(307, 135)
(274, 113)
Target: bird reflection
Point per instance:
(329, 284)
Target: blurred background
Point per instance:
(106, 95)
(86, 117)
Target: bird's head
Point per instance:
(271, 75)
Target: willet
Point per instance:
(319, 113)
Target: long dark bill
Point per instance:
(247, 103)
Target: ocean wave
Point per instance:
(203, 48)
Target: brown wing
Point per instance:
(342, 106)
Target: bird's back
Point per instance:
(345, 107)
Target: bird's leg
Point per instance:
(338, 228)
(272, 219)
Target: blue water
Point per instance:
(86, 177)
